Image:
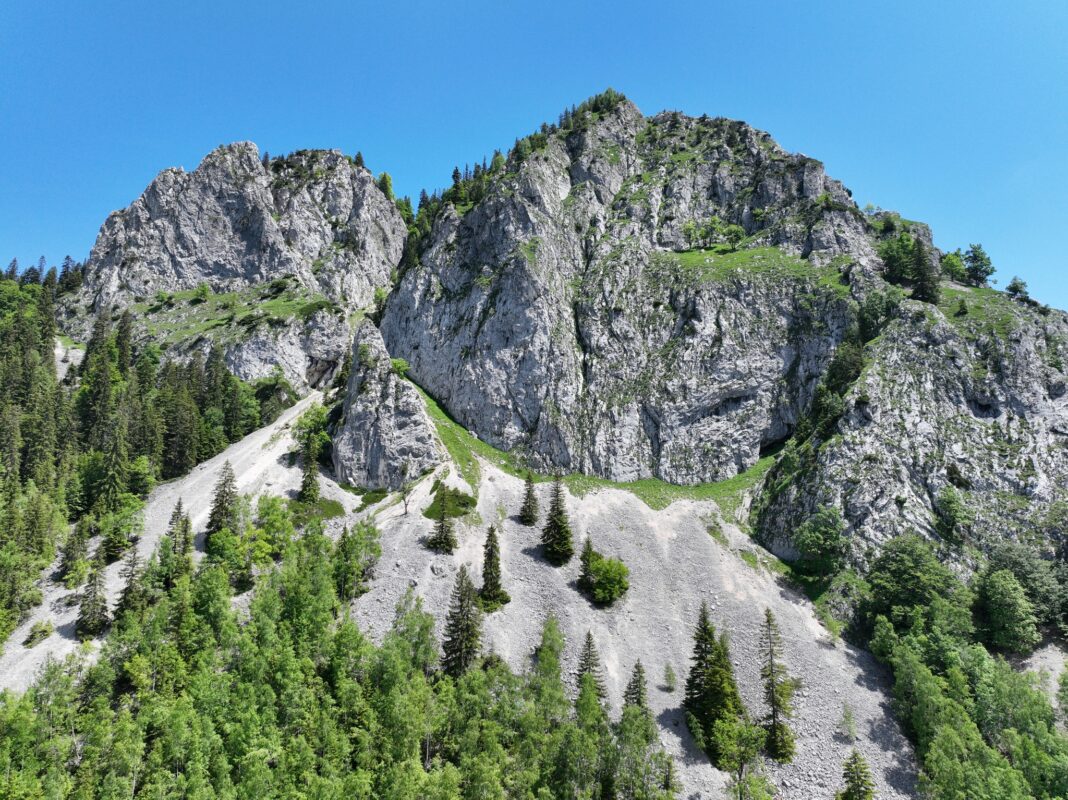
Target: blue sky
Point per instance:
(955, 113)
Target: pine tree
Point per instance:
(528, 513)
(124, 342)
(711, 692)
(443, 540)
(113, 483)
(779, 690)
(463, 627)
(181, 530)
(556, 535)
(636, 693)
(309, 483)
(133, 597)
(857, 777)
(492, 594)
(93, 609)
(590, 664)
(924, 275)
(586, 560)
(224, 508)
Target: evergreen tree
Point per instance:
(224, 505)
(925, 275)
(711, 692)
(528, 513)
(586, 560)
(556, 535)
(93, 609)
(113, 483)
(636, 693)
(463, 627)
(443, 540)
(779, 690)
(133, 597)
(124, 343)
(181, 530)
(977, 265)
(492, 594)
(590, 664)
(76, 549)
(738, 743)
(857, 777)
(309, 482)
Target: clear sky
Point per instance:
(952, 112)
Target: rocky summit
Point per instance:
(756, 402)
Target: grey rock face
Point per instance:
(237, 222)
(947, 405)
(548, 318)
(385, 436)
(234, 222)
(309, 352)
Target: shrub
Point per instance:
(603, 579)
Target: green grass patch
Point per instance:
(183, 316)
(465, 450)
(457, 503)
(750, 558)
(721, 264)
(988, 310)
(322, 509)
(69, 343)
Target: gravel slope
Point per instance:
(675, 564)
(261, 464)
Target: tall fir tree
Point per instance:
(587, 558)
(636, 693)
(590, 664)
(925, 275)
(857, 777)
(528, 513)
(309, 482)
(779, 690)
(711, 692)
(224, 505)
(93, 609)
(463, 627)
(556, 535)
(132, 599)
(492, 593)
(443, 539)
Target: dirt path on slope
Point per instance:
(674, 565)
(261, 464)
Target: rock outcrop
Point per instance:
(385, 437)
(556, 318)
(238, 221)
(958, 427)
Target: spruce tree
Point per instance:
(586, 559)
(924, 275)
(556, 535)
(711, 692)
(779, 690)
(528, 513)
(309, 483)
(492, 594)
(590, 664)
(857, 777)
(224, 508)
(76, 547)
(93, 609)
(133, 595)
(636, 693)
(463, 627)
(443, 540)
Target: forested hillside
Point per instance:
(78, 456)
